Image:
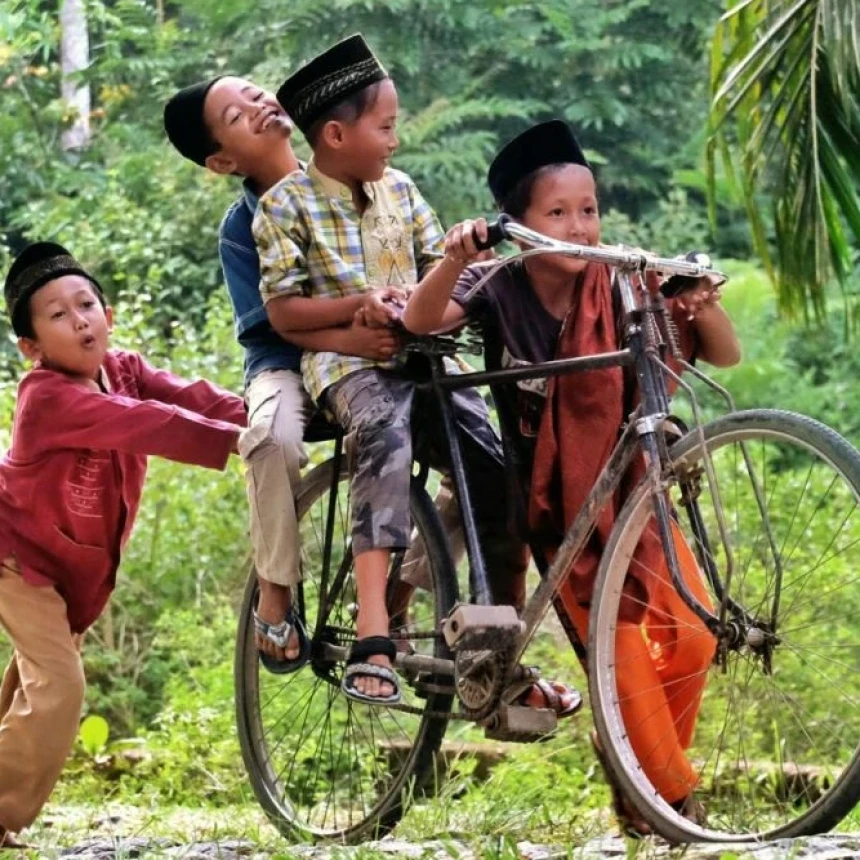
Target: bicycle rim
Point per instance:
(774, 750)
(322, 766)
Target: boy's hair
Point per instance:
(350, 110)
(34, 267)
(185, 124)
(534, 153)
(328, 81)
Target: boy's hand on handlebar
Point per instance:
(460, 244)
(706, 293)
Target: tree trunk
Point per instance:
(75, 57)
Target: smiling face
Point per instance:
(70, 326)
(364, 146)
(247, 123)
(563, 205)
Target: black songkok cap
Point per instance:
(33, 268)
(344, 69)
(549, 142)
(184, 123)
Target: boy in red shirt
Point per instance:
(70, 485)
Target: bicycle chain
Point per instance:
(436, 715)
(466, 714)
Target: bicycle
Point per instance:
(745, 496)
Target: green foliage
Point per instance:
(675, 226)
(190, 755)
(814, 371)
(785, 79)
(630, 76)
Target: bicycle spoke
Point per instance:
(335, 769)
(783, 705)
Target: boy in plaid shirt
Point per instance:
(359, 233)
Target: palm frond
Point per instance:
(785, 119)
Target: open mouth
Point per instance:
(272, 117)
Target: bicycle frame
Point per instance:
(642, 432)
(643, 345)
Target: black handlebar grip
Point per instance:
(496, 233)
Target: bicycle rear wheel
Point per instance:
(322, 766)
(774, 749)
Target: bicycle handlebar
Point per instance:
(614, 255)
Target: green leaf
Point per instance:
(94, 734)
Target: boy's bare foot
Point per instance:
(272, 610)
(8, 842)
(369, 676)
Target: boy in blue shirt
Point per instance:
(234, 127)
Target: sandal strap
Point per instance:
(551, 694)
(551, 698)
(277, 634)
(371, 646)
(371, 670)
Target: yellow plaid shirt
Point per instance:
(312, 242)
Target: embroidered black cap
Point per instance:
(184, 122)
(33, 268)
(546, 143)
(325, 81)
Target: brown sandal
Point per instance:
(552, 696)
(629, 820)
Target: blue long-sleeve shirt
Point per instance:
(240, 262)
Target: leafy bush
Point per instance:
(812, 370)
(190, 755)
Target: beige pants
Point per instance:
(278, 412)
(40, 699)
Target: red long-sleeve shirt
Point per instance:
(71, 482)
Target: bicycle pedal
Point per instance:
(481, 626)
(518, 724)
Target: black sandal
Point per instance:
(358, 667)
(279, 635)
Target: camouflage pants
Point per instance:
(375, 408)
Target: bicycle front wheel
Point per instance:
(321, 765)
(755, 735)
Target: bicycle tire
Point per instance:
(326, 781)
(800, 709)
